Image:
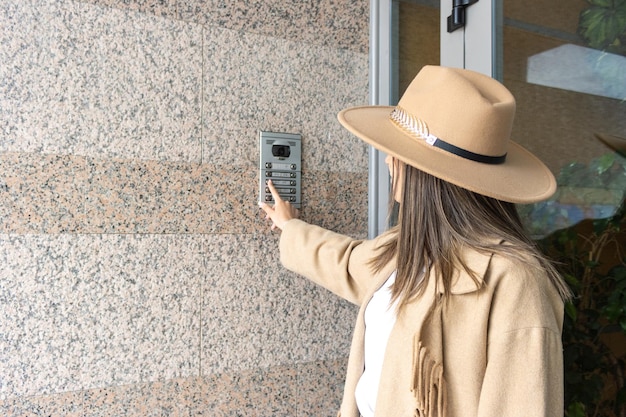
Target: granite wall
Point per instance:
(137, 276)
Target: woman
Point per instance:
(460, 314)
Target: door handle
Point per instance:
(457, 19)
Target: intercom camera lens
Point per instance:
(281, 151)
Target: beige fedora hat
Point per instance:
(456, 124)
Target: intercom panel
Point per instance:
(281, 162)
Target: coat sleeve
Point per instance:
(337, 262)
(524, 373)
(524, 376)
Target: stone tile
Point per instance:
(250, 393)
(41, 193)
(306, 389)
(113, 301)
(157, 197)
(63, 404)
(83, 311)
(102, 402)
(320, 387)
(336, 201)
(271, 392)
(229, 199)
(342, 24)
(256, 314)
(136, 400)
(182, 397)
(61, 194)
(165, 8)
(145, 197)
(215, 396)
(94, 81)
(255, 83)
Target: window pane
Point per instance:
(415, 40)
(570, 86)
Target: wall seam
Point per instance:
(201, 309)
(202, 91)
(203, 241)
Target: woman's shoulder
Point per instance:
(517, 285)
(519, 270)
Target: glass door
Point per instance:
(563, 60)
(565, 63)
(405, 36)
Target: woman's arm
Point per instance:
(332, 260)
(335, 261)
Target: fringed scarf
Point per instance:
(429, 386)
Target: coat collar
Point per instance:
(462, 282)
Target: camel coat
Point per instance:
(493, 351)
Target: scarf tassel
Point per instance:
(428, 383)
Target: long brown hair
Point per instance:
(436, 219)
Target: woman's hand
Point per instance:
(282, 211)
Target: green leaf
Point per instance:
(571, 311)
(603, 23)
(605, 162)
(612, 312)
(576, 409)
(572, 280)
(601, 3)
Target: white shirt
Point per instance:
(380, 317)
